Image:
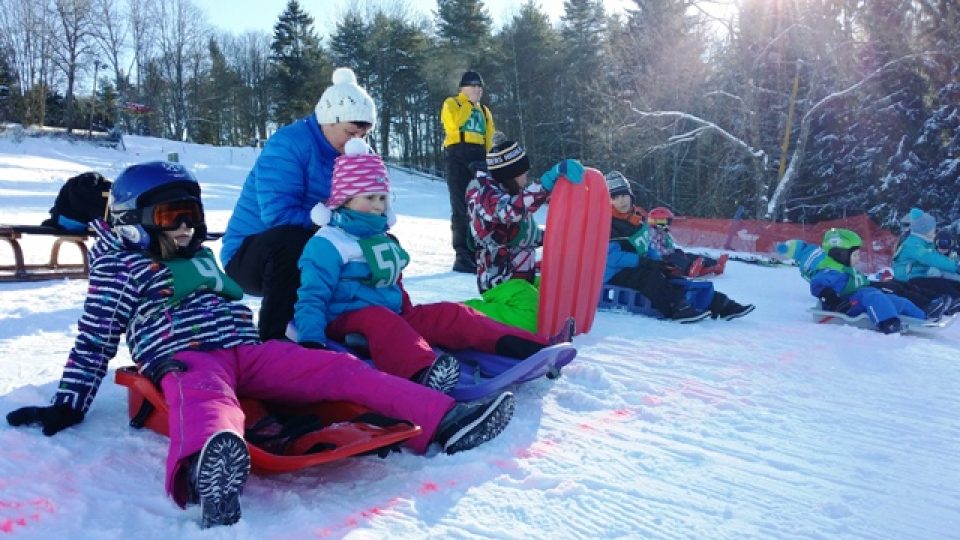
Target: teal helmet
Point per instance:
(840, 243)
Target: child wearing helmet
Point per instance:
(830, 270)
(151, 280)
(351, 274)
(661, 242)
(631, 263)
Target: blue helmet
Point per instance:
(145, 184)
(139, 187)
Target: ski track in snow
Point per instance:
(766, 427)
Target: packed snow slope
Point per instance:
(770, 426)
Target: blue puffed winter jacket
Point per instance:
(917, 257)
(289, 178)
(334, 279)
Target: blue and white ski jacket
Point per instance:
(334, 277)
(289, 178)
(129, 293)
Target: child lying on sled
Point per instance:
(830, 270)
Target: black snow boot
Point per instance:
(468, 425)
(889, 326)
(936, 308)
(442, 375)
(683, 313)
(217, 475)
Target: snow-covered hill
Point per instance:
(766, 427)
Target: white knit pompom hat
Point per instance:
(345, 101)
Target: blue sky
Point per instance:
(243, 15)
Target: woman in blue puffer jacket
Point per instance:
(271, 222)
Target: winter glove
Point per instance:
(54, 418)
(157, 369)
(831, 301)
(316, 345)
(570, 168)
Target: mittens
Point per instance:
(831, 301)
(571, 169)
(53, 419)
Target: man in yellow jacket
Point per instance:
(468, 127)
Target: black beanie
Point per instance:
(471, 78)
(506, 161)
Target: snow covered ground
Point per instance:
(766, 427)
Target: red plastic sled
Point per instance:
(341, 432)
(574, 253)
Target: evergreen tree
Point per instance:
(349, 45)
(526, 105)
(300, 69)
(464, 28)
(395, 77)
(582, 82)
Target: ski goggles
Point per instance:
(660, 222)
(168, 216)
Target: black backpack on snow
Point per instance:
(81, 200)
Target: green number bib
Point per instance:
(476, 123)
(386, 259)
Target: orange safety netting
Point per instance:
(761, 236)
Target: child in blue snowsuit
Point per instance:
(840, 287)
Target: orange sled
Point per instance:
(345, 431)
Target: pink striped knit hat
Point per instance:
(357, 172)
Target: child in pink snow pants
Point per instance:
(151, 280)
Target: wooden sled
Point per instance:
(344, 432)
(54, 269)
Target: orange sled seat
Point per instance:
(339, 429)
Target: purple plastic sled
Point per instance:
(485, 374)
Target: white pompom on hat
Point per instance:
(345, 101)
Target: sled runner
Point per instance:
(574, 253)
(54, 269)
(485, 374)
(297, 437)
(908, 325)
(20, 270)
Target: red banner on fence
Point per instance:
(760, 236)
